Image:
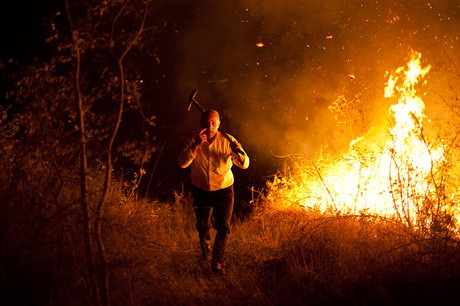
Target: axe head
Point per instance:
(191, 99)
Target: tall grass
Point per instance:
(274, 257)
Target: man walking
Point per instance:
(210, 156)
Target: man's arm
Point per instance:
(239, 156)
(187, 155)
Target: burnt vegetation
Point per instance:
(75, 231)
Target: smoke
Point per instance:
(274, 98)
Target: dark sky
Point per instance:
(275, 98)
(21, 27)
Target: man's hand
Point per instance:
(201, 137)
(238, 150)
(199, 140)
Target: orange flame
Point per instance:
(388, 177)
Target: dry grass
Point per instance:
(274, 257)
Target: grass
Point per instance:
(274, 257)
(278, 257)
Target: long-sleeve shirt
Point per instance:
(212, 163)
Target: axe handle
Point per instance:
(196, 104)
(231, 141)
(201, 108)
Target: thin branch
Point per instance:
(395, 205)
(83, 156)
(325, 186)
(153, 169)
(108, 172)
(123, 7)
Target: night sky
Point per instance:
(22, 28)
(272, 68)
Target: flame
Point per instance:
(390, 175)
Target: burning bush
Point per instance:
(397, 174)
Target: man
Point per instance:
(211, 155)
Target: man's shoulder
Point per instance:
(226, 137)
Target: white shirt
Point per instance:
(212, 163)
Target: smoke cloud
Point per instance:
(272, 68)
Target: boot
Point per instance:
(217, 268)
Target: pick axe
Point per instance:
(191, 101)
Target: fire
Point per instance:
(393, 175)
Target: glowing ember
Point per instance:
(392, 176)
(260, 44)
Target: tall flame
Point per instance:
(391, 176)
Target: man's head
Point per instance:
(210, 121)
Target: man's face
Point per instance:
(211, 124)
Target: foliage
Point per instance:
(276, 256)
(349, 112)
(103, 38)
(42, 147)
(43, 97)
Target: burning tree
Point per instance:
(399, 174)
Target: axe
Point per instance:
(192, 100)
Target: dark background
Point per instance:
(274, 99)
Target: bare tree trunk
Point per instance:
(93, 226)
(87, 224)
(108, 170)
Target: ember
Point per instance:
(394, 174)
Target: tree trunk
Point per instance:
(86, 216)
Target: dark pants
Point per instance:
(218, 205)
